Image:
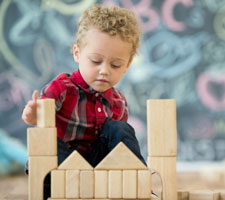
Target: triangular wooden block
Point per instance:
(121, 158)
(75, 161)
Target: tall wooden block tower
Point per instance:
(42, 148)
(162, 143)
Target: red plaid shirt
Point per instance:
(81, 111)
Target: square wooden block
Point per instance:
(41, 141)
(46, 113)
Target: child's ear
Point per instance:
(76, 53)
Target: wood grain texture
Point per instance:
(144, 184)
(120, 158)
(37, 138)
(182, 195)
(39, 167)
(162, 127)
(72, 183)
(129, 184)
(203, 195)
(101, 183)
(46, 113)
(75, 161)
(115, 184)
(86, 184)
(166, 167)
(58, 184)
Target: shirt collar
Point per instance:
(77, 78)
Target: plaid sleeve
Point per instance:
(55, 90)
(125, 111)
(120, 108)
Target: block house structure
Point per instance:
(120, 175)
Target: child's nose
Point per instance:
(104, 70)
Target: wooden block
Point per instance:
(161, 125)
(72, 183)
(86, 184)
(222, 193)
(182, 195)
(166, 167)
(58, 184)
(203, 195)
(101, 184)
(144, 184)
(129, 184)
(39, 167)
(75, 161)
(46, 113)
(55, 199)
(120, 158)
(37, 138)
(115, 184)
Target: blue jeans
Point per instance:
(113, 133)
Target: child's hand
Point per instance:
(30, 110)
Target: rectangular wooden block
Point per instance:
(162, 127)
(203, 195)
(182, 195)
(72, 183)
(46, 113)
(115, 184)
(166, 167)
(129, 184)
(222, 193)
(144, 184)
(39, 167)
(58, 184)
(86, 184)
(101, 183)
(42, 141)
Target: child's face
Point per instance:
(103, 59)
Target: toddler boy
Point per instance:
(91, 115)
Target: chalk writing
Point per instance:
(211, 91)
(168, 16)
(181, 56)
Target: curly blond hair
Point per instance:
(112, 20)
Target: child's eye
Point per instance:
(116, 66)
(96, 62)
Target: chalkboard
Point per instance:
(181, 57)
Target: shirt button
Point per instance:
(99, 109)
(96, 94)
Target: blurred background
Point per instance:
(181, 56)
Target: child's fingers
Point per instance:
(35, 96)
(27, 113)
(31, 104)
